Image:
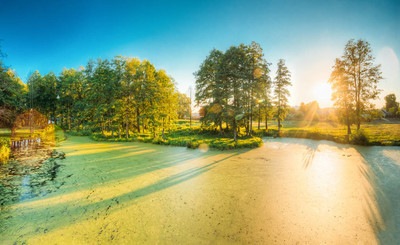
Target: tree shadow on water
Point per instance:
(64, 214)
(309, 154)
(382, 193)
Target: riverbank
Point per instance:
(377, 133)
(287, 191)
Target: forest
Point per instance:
(130, 99)
(118, 95)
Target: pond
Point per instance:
(286, 192)
(18, 176)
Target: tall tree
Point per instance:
(230, 84)
(343, 94)
(362, 76)
(210, 89)
(281, 92)
(260, 82)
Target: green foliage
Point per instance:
(354, 82)
(59, 134)
(12, 90)
(391, 105)
(233, 83)
(5, 149)
(281, 92)
(189, 137)
(359, 138)
(183, 108)
(84, 132)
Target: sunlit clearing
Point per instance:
(322, 93)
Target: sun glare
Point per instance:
(322, 94)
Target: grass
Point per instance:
(382, 132)
(377, 133)
(192, 138)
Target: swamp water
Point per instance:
(288, 191)
(25, 176)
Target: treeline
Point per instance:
(121, 95)
(234, 88)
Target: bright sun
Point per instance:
(322, 94)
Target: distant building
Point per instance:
(385, 113)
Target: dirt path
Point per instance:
(288, 191)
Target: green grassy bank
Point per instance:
(382, 132)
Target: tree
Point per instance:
(42, 93)
(210, 89)
(69, 93)
(343, 94)
(391, 106)
(103, 91)
(183, 108)
(12, 90)
(12, 95)
(359, 82)
(229, 86)
(281, 92)
(309, 111)
(259, 82)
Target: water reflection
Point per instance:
(362, 182)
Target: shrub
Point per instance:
(359, 138)
(5, 149)
(84, 132)
(263, 133)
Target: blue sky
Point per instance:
(178, 35)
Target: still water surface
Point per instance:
(286, 192)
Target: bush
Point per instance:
(192, 138)
(84, 132)
(263, 133)
(359, 138)
(5, 149)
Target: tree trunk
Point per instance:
(348, 125)
(112, 131)
(259, 117)
(247, 126)
(102, 129)
(266, 122)
(220, 127)
(163, 135)
(127, 127)
(279, 117)
(234, 131)
(119, 130)
(279, 126)
(251, 119)
(138, 119)
(69, 119)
